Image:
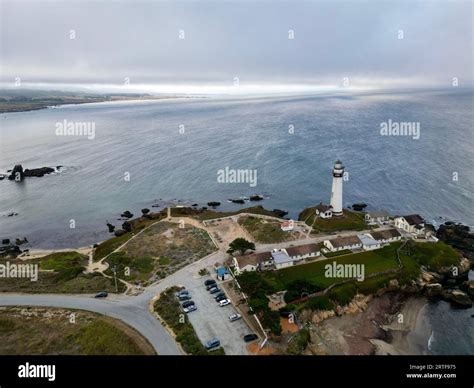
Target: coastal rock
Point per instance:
(13, 214)
(458, 298)
(279, 212)
(17, 173)
(194, 205)
(119, 232)
(145, 211)
(38, 172)
(238, 200)
(126, 214)
(359, 206)
(213, 203)
(127, 226)
(434, 289)
(21, 241)
(458, 236)
(111, 227)
(5, 241)
(256, 198)
(10, 250)
(320, 316)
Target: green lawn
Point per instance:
(435, 256)
(374, 261)
(350, 220)
(338, 253)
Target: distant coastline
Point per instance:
(28, 100)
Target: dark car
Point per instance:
(213, 343)
(219, 295)
(209, 282)
(250, 337)
(187, 304)
(102, 294)
(182, 292)
(184, 297)
(214, 290)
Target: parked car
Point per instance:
(213, 343)
(102, 294)
(190, 308)
(182, 292)
(234, 317)
(250, 337)
(224, 302)
(220, 295)
(184, 297)
(187, 303)
(211, 286)
(209, 282)
(214, 290)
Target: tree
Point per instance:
(240, 245)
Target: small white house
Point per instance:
(287, 226)
(323, 211)
(380, 217)
(282, 260)
(341, 243)
(301, 252)
(252, 262)
(411, 224)
(368, 243)
(386, 236)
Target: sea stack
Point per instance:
(336, 194)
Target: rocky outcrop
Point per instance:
(359, 206)
(19, 241)
(9, 250)
(38, 172)
(127, 226)
(458, 298)
(458, 236)
(279, 213)
(145, 211)
(17, 173)
(126, 214)
(256, 198)
(119, 232)
(213, 204)
(238, 200)
(111, 227)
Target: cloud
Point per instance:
(140, 41)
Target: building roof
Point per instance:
(378, 213)
(323, 208)
(367, 240)
(414, 219)
(286, 224)
(253, 259)
(302, 250)
(385, 234)
(344, 241)
(281, 257)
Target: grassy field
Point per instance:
(60, 272)
(350, 220)
(168, 309)
(48, 331)
(436, 256)
(159, 251)
(265, 231)
(374, 261)
(207, 214)
(338, 253)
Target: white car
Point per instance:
(224, 302)
(189, 309)
(234, 317)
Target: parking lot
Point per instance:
(212, 321)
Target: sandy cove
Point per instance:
(376, 329)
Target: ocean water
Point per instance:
(143, 139)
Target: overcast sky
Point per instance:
(244, 39)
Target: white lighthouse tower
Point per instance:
(336, 194)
